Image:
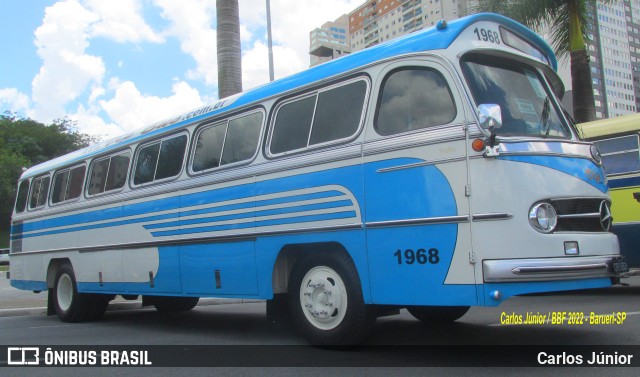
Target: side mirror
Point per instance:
(490, 116)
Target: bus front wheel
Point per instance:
(325, 300)
(437, 314)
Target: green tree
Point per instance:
(229, 50)
(25, 142)
(570, 23)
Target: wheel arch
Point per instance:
(289, 254)
(52, 269)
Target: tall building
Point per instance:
(632, 16)
(377, 21)
(615, 56)
(329, 41)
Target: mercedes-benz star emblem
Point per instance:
(605, 216)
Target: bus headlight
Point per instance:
(595, 154)
(543, 217)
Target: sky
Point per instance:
(117, 65)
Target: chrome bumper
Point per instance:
(547, 269)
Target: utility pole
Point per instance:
(270, 42)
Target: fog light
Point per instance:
(571, 248)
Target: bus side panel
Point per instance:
(629, 238)
(626, 218)
(219, 268)
(409, 259)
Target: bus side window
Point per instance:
(233, 140)
(620, 155)
(329, 115)
(160, 160)
(39, 192)
(338, 113)
(23, 194)
(109, 173)
(293, 122)
(67, 184)
(242, 138)
(412, 99)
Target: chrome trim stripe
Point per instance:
(420, 164)
(547, 269)
(185, 241)
(492, 216)
(423, 221)
(558, 269)
(567, 148)
(579, 215)
(440, 220)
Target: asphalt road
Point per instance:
(244, 324)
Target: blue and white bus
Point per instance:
(433, 172)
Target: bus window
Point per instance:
(209, 147)
(620, 155)
(293, 122)
(327, 125)
(23, 194)
(160, 160)
(39, 192)
(67, 184)
(242, 138)
(521, 94)
(413, 99)
(109, 173)
(330, 115)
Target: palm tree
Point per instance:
(570, 23)
(229, 52)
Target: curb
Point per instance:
(120, 305)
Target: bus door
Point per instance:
(416, 181)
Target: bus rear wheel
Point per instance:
(325, 300)
(437, 314)
(70, 306)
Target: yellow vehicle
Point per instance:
(618, 142)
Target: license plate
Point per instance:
(620, 264)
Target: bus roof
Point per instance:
(611, 126)
(433, 38)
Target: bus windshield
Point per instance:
(527, 109)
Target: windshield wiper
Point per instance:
(545, 116)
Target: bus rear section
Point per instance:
(618, 141)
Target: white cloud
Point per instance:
(66, 69)
(69, 74)
(121, 21)
(131, 109)
(255, 64)
(14, 101)
(192, 22)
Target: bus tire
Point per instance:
(165, 304)
(70, 306)
(99, 304)
(325, 300)
(437, 314)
